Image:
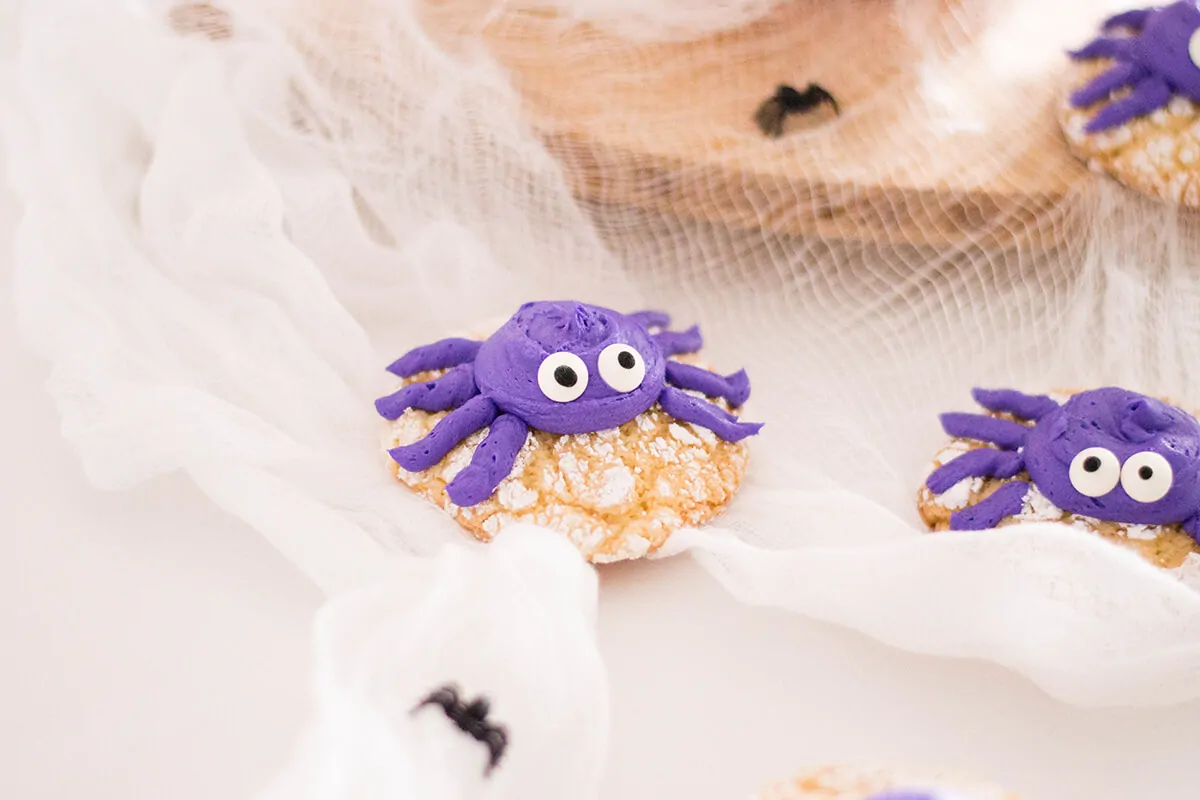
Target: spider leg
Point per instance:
(1134, 20)
(1006, 501)
(982, 462)
(475, 414)
(497, 742)
(1120, 76)
(1191, 526)
(1149, 95)
(491, 463)
(691, 409)
(1025, 406)
(673, 343)
(1003, 433)
(445, 696)
(769, 117)
(651, 319)
(439, 355)
(440, 394)
(1119, 49)
(735, 388)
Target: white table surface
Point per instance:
(151, 646)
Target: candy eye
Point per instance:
(562, 377)
(1095, 472)
(1194, 48)
(622, 367)
(1146, 477)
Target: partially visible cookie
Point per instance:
(1131, 111)
(573, 417)
(1167, 545)
(1158, 154)
(855, 783)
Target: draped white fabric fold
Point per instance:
(229, 231)
(513, 624)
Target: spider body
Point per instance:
(1157, 60)
(559, 367)
(1108, 453)
(471, 719)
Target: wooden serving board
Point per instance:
(668, 126)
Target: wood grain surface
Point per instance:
(669, 126)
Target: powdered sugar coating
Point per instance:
(958, 495)
(1145, 533)
(1038, 508)
(856, 783)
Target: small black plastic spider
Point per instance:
(787, 101)
(471, 718)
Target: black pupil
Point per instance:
(1092, 463)
(625, 359)
(565, 376)
(1145, 473)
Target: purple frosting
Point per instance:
(1155, 59)
(560, 367)
(506, 369)
(909, 794)
(1124, 423)
(1108, 453)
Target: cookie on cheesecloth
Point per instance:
(1108, 462)
(573, 417)
(1132, 112)
(853, 783)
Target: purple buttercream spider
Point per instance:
(540, 371)
(1157, 60)
(1109, 453)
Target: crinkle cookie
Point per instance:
(1132, 113)
(1106, 461)
(852, 783)
(573, 417)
